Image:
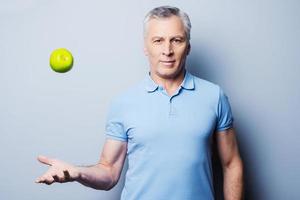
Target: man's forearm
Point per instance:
(97, 176)
(233, 181)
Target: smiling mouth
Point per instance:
(168, 63)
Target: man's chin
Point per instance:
(168, 74)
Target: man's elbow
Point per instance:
(110, 186)
(234, 164)
(113, 181)
(108, 181)
(104, 186)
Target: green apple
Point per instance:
(61, 60)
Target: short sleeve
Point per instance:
(114, 128)
(224, 113)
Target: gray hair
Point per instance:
(166, 12)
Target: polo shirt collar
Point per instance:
(187, 83)
(151, 86)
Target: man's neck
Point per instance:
(169, 84)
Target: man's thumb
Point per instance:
(45, 160)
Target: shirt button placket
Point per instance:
(172, 109)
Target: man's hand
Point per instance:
(58, 171)
(102, 176)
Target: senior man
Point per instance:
(165, 126)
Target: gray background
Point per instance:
(250, 48)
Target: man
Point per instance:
(165, 126)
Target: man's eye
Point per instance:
(157, 41)
(177, 41)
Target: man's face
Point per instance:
(166, 46)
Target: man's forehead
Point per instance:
(166, 26)
(171, 36)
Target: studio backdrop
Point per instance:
(250, 48)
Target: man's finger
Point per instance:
(49, 180)
(67, 175)
(56, 178)
(45, 160)
(38, 180)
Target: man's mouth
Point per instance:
(167, 62)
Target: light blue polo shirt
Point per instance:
(169, 138)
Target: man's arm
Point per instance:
(103, 176)
(231, 163)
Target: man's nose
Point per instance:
(168, 49)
